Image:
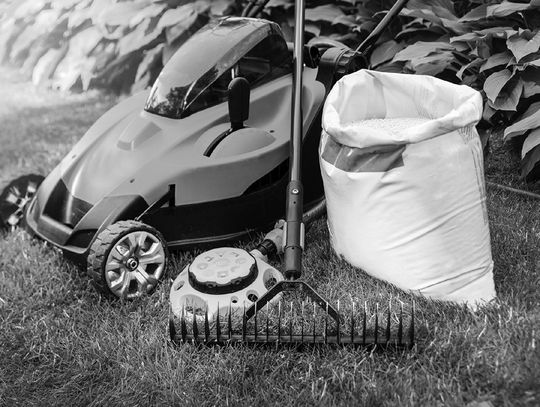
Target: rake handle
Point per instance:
(294, 228)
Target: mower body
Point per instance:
(168, 158)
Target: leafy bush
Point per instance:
(494, 47)
(122, 45)
(77, 44)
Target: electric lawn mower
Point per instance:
(201, 158)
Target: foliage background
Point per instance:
(121, 45)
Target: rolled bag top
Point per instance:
(368, 94)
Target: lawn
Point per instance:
(64, 345)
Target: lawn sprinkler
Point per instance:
(228, 285)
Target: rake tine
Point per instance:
(172, 328)
(376, 340)
(244, 323)
(388, 316)
(255, 321)
(194, 324)
(352, 323)
(411, 326)
(218, 325)
(279, 321)
(229, 321)
(267, 325)
(338, 325)
(314, 316)
(326, 325)
(290, 323)
(364, 324)
(183, 328)
(302, 323)
(206, 324)
(400, 326)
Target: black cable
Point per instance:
(513, 190)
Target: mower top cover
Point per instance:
(204, 59)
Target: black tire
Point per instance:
(15, 198)
(108, 266)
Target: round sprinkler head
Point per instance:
(221, 281)
(222, 270)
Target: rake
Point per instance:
(210, 294)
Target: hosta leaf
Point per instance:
(47, 64)
(64, 4)
(475, 14)
(432, 64)
(29, 8)
(475, 63)
(420, 33)
(439, 12)
(43, 24)
(495, 60)
(385, 52)
(183, 16)
(432, 10)
(493, 32)
(77, 64)
(150, 57)
(327, 13)
(531, 88)
(96, 9)
(313, 29)
(421, 49)
(122, 13)
(285, 4)
(118, 76)
(509, 96)
(142, 37)
(9, 32)
(148, 68)
(153, 10)
(524, 43)
(532, 140)
(528, 121)
(495, 82)
(488, 112)
(52, 40)
(505, 8)
(530, 164)
(82, 13)
(220, 7)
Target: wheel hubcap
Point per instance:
(135, 264)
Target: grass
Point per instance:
(64, 345)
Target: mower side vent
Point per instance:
(277, 174)
(64, 207)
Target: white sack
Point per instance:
(409, 206)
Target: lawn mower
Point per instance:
(201, 158)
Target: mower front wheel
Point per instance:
(127, 260)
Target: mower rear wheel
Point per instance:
(15, 198)
(127, 260)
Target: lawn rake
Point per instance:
(209, 297)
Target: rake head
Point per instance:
(271, 323)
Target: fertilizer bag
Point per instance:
(402, 167)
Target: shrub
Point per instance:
(492, 46)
